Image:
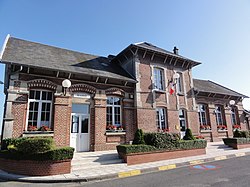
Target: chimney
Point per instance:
(176, 50)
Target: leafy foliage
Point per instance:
(62, 153)
(12, 141)
(39, 149)
(35, 145)
(161, 140)
(188, 135)
(127, 149)
(139, 137)
(241, 134)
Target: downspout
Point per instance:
(6, 86)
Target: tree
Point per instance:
(139, 137)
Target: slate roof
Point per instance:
(212, 87)
(152, 47)
(18, 51)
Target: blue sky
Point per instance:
(216, 33)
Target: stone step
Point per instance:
(83, 165)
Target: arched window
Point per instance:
(40, 109)
(219, 114)
(203, 117)
(234, 118)
(114, 113)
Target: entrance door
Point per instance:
(79, 138)
(182, 119)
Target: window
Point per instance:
(234, 118)
(113, 112)
(159, 79)
(182, 119)
(219, 118)
(40, 108)
(179, 84)
(203, 119)
(161, 119)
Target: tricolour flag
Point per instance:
(171, 87)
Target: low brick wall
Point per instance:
(239, 146)
(35, 168)
(140, 158)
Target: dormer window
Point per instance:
(159, 79)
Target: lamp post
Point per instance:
(66, 83)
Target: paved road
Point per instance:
(227, 173)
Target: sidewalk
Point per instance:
(89, 166)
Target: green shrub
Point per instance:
(11, 141)
(241, 134)
(139, 137)
(35, 145)
(188, 135)
(192, 144)
(128, 149)
(229, 141)
(161, 140)
(62, 153)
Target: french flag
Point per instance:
(171, 87)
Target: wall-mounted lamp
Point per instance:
(176, 76)
(1, 82)
(66, 83)
(232, 102)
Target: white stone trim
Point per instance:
(4, 46)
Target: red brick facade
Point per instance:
(35, 168)
(139, 101)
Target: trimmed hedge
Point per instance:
(56, 154)
(139, 137)
(179, 145)
(162, 140)
(40, 149)
(229, 141)
(241, 134)
(12, 141)
(35, 145)
(128, 149)
(192, 144)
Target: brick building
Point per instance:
(110, 97)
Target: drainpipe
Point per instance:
(6, 86)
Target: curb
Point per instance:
(12, 177)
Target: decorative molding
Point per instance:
(83, 88)
(42, 83)
(115, 91)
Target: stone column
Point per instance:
(62, 116)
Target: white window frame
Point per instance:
(39, 101)
(159, 78)
(200, 112)
(113, 106)
(233, 116)
(184, 118)
(218, 114)
(179, 84)
(159, 120)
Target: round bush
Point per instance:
(35, 145)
